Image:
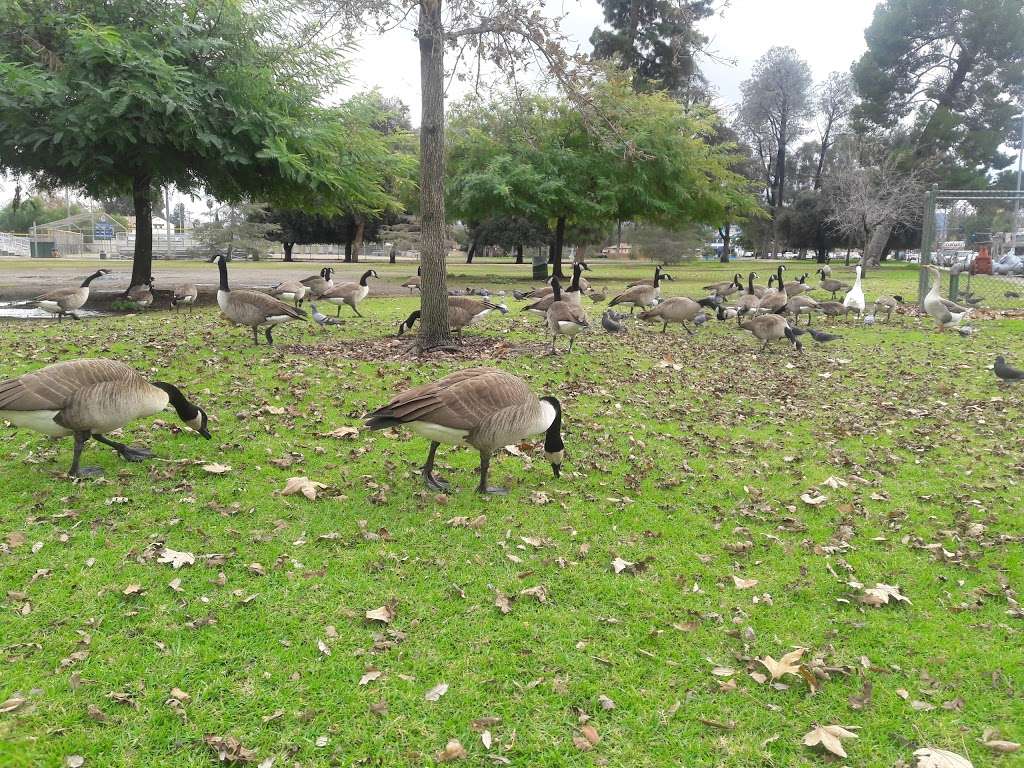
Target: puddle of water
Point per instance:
(14, 310)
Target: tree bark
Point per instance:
(471, 252)
(434, 330)
(519, 253)
(348, 251)
(876, 244)
(358, 239)
(142, 263)
(288, 251)
(726, 234)
(556, 248)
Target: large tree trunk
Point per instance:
(471, 252)
(357, 245)
(581, 253)
(556, 248)
(288, 251)
(726, 233)
(142, 264)
(434, 329)
(519, 253)
(348, 251)
(876, 245)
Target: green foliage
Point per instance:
(96, 93)
(657, 40)
(236, 229)
(955, 69)
(808, 223)
(37, 209)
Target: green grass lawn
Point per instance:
(686, 455)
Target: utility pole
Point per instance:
(1020, 167)
(167, 219)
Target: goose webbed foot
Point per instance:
(490, 490)
(87, 472)
(435, 483)
(128, 453)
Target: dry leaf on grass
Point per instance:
(229, 750)
(881, 594)
(436, 692)
(12, 704)
(929, 757)
(829, 737)
(74, 761)
(813, 499)
(453, 750)
(787, 665)
(385, 614)
(991, 739)
(303, 485)
(539, 592)
(587, 738)
(342, 433)
(370, 675)
(216, 469)
(743, 583)
(176, 559)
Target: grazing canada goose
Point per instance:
(87, 398)
(572, 295)
(854, 299)
(822, 337)
(141, 295)
(749, 300)
(659, 274)
(831, 285)
(610, 322)
(887, 304)
(483, 407)
(186, 294)
(798, 305)
(413, 283)
(770, 328)
(641, 294)
(565, 318)
(321, 319)
(678, 309)
(319, 284)
(1005, 372)
(831, 308)
(825, 271)
(462, 311)
(64, 301)
(937, 309)
(726, 288)
(597, 296)
(797, 287)
(727, 313)
(252, 308)
(350, 293)
(290, 290)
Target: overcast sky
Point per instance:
(829, 35)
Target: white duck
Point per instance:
(936, 307)
(854, 299)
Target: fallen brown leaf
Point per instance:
(829, 737)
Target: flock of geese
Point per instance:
(484, 408)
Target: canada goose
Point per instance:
(774, 299)
(749, 300)
(726, 288)
(572, 295)
(610, 322)
(727, 313)
(797, 287)
(831, 285)
(141, 295)
(854, 299)
(321, 319)
(253, 308)
(770, 328)
(825, 271)
(597, 296)
(798, 305)
(659, 274)
(483, 407)
(413, 283)
(565, 318)
(678, 309)
(186, 294)
(831, 308)
(87, 398)
(641, 294)
(1005, 372)
(64, 301)
(935, 307)
(290, 290)
(350, 293)
(319, 284)
(462, 311)
(887, 304)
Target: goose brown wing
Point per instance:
(49, 388)
(564, 312)
(636, 293)
(342, 291)
(268, 305)
(459, 401)
(57, 295)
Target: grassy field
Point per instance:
(890, 456)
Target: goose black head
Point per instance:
(188, 412)
(554, 448)
(407, 324)
(556, 288)
(584, 265)
(821, 272)
(899, 299)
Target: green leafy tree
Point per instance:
(809, 222)
(657, 40)
(119, 96)
(37, 209)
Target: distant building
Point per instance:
(623, 252)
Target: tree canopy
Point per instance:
(117, 95)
